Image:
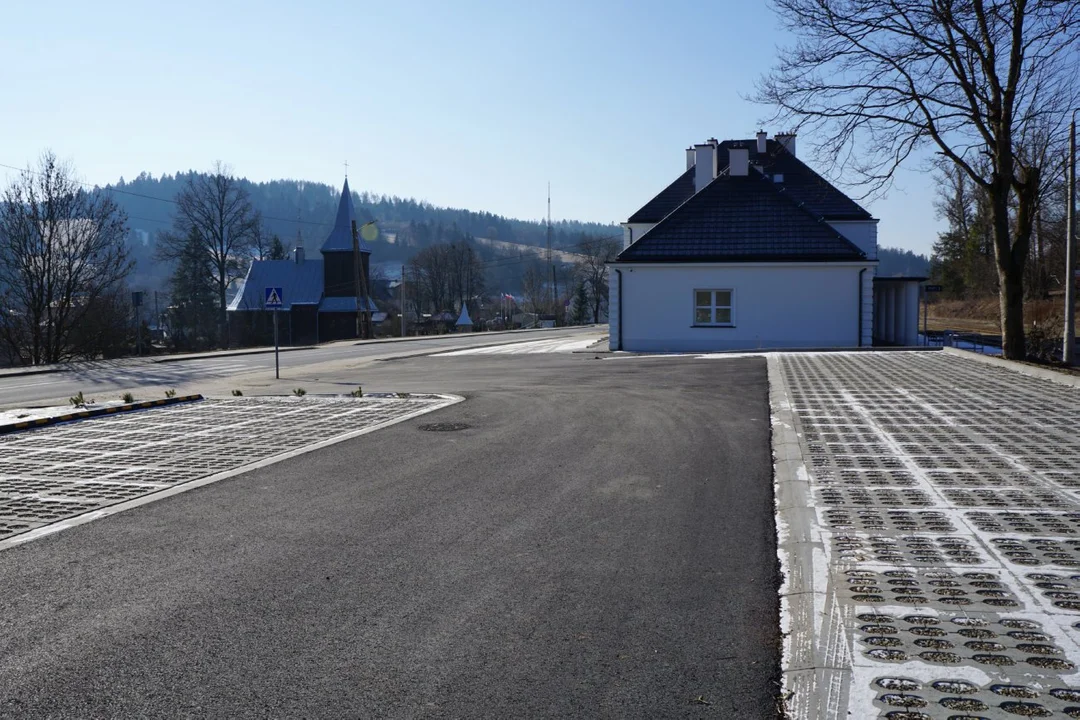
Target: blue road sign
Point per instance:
(273, 298)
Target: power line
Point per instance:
(110, 188)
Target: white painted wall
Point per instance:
(632, 232)
(776, 306)
(868, 307)
(861, 232)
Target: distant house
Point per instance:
(751, 249)
(318, 295)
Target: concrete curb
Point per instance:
(1024, 369)
(805, 677)
(83, 414)
(231, 353)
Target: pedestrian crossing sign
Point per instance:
(273, 298)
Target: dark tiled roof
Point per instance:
(669, 198)
(804, 185)
(340, 239)
(800, 181)
(741, 219)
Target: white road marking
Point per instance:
(558, 345)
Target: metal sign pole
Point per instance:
(277, 370)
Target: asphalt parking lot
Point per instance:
(578, 538)
(931, 534)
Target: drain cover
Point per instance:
(444, 427)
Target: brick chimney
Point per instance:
(298, 255)
(761, 144)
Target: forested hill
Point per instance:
(894, 261)
(291, 205)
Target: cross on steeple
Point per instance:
(346, 169)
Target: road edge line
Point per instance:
(84, 518)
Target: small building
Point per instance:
(464, 322)
(319, 302)
(747, 249)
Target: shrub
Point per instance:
(358, 392)
(78, 400)
(170, 393)
(128, 397)
(237, 393)
(299, 392)
(1044, 342)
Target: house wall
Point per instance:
(861, 232)
(632, 232)
(776, 306)
(868, 307)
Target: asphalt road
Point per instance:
(107, 378)
(598, 543)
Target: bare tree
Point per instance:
(447, 276)
(878, 80)
(534, 287)
(62, 259)
(215, 211)
(591, 269)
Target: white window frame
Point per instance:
(713, 307)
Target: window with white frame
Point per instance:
(714, 307)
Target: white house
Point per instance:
(749, 249)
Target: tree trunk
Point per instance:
(1011, 298)
(223, 319)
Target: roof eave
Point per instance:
(744, 259)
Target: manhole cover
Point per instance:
(444, 427)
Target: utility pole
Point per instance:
(1069, 344)
(402, 301)
(555, 293)
(554, 297)
(356, 280)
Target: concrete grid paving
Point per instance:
(57, 472)
(938, 572)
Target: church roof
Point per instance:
(300, 283)
(340, 239)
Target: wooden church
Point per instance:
(318, 302)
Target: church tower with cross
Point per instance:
(338, 307)
(319, 297)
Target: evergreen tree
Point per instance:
(192, 315)
(277, 250)
(579, 313)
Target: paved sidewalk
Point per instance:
(929, 531)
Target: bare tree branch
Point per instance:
(877, 81)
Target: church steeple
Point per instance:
(340, 239)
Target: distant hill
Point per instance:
(894, 261)
(291, 205)
(301, 211)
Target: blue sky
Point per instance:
(464, 104)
